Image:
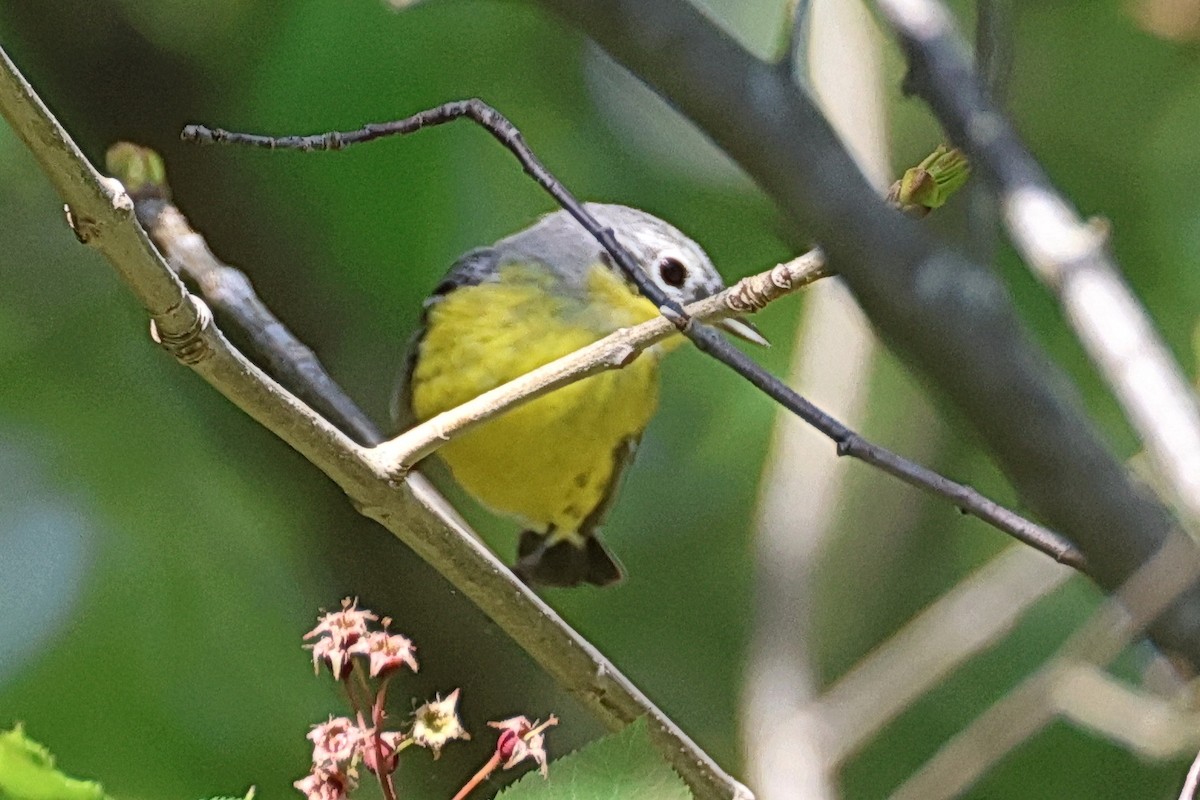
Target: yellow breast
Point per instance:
(549, 462)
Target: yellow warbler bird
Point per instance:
(553, 463)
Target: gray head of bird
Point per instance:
(674, 262)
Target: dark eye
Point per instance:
(672, 272)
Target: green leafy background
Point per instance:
(160, 555)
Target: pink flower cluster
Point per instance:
(341, 744)
(347, 633)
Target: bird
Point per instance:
(554, 463)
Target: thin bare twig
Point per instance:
(613, 352)
(103, 215)
(1069, 255)
(504, 132)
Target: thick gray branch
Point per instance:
(947, 316)
(1070, 256)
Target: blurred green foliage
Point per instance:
(160, 556)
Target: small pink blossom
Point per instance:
(338, 632)
(347, 624)
(521, 739)
(336, 742)
(387, 652)
(323, 784)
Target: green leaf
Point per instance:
(249, 795)
(27, 773)
(617, 766)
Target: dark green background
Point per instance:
(160, 555)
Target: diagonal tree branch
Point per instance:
(103, 215)
(615, 351)
(949, 317)
(1067, 254)
(229, 292)
(294, 365)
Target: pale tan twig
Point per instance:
(974, 615)
(835, 46)
(785, 749)
(1191, 786)
(102, 214)
(398, 455)
(1030, 706)
(613, 351)
(1152, 726)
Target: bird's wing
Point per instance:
(544, 561)
(474, 268)
(622, 458)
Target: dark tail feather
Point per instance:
(564, 563)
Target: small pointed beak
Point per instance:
(743, 330)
